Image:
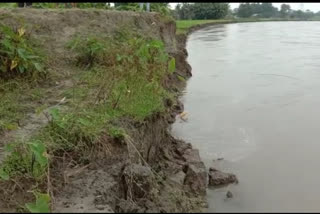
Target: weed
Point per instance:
(15, 95)
(77, 133)
(72, 131)
(4, 175)
(25, 159)
(88, 49)
(10, 112)
(17, 55)
(36, 94)
(41, 205)
(20, 68)
(116, 132)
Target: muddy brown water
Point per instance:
(254, 99)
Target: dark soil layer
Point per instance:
(149, 171)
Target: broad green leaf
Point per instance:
(37, 66)
(7, 45)
(119, 57)
(172, 65)
(39, 150)
(41, 205)
(55, 113)
(4, 175)
(21, 68)
(22, 53)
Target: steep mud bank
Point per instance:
(148, 170)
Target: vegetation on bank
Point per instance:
(162, 8)
(184, 25)
(120, 77)
(22, 65)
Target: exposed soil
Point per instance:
(218, 178)
(150, 171)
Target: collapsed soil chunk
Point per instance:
(218, 178)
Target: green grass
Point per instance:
(10, 109)
(18, 97)
(184, 25)
(127, 74)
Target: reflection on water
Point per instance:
(212, 34)
(254, 99)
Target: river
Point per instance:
(254, 99)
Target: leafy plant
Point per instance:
(116, 132)
(17, 55)
(38, 149)
(41, 205)
(88, 50)
(25, 159)
(4, 175)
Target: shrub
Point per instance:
(17, 55)
(88, 50)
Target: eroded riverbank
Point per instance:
(98, 157)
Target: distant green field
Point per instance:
(184, 25)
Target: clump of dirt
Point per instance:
(148, 170)
(218, 178)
